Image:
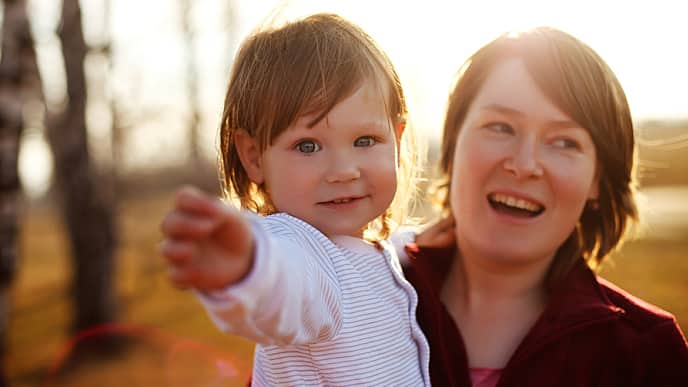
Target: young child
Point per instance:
(311, 140)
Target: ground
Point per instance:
(169, 339)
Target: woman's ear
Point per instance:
(594, 192)
(249, 155)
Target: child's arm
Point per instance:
(438, 234)
(399, 239)
(256, 283)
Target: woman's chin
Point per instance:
(514, 252)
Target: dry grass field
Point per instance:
(171, 340)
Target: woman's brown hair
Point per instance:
(576, 79)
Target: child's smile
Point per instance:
(340, 174)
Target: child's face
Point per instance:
(340, 174)
(522, 170)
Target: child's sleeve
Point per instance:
(399, 240)
(290, 296)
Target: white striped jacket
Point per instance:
(323, 313)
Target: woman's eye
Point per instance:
(307, 146)
(499, 127)
(365, 141)
(566, 143)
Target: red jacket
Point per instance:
(591, 333)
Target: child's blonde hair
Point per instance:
(307, 67)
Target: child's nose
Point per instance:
(342, 168)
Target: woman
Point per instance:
(537, 161)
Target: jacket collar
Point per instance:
(578, 301)
(579, 291)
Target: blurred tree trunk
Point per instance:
(19, 82)
(191, 85)
(86, 209)
(102, 49)
(118, 135)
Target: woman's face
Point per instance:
(522, 170)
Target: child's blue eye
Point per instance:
(307, 146)
(365, 141)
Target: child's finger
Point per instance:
(442, 227)
(191, 199)
(445, 238)
(179, 225)
(439, 234)
(178, 252)
(445, 235)
(445, 224)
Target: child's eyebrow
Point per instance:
(374, 126)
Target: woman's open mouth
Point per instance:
(514, 206)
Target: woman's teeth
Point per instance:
(514, 202)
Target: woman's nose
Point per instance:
(524, 162)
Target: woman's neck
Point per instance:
(494, 303)
(476, 278)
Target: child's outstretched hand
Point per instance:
(440, 234)
(207, 245)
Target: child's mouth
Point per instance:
(341, 201)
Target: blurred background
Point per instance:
(106, 106)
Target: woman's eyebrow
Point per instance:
(557, 124)
(502, 109)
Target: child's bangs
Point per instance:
(338, 80)
(330, 89)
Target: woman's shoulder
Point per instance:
(650, 325)
(642, 315)
(653, 337)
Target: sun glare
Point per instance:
(429, 40)
(426, 40)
